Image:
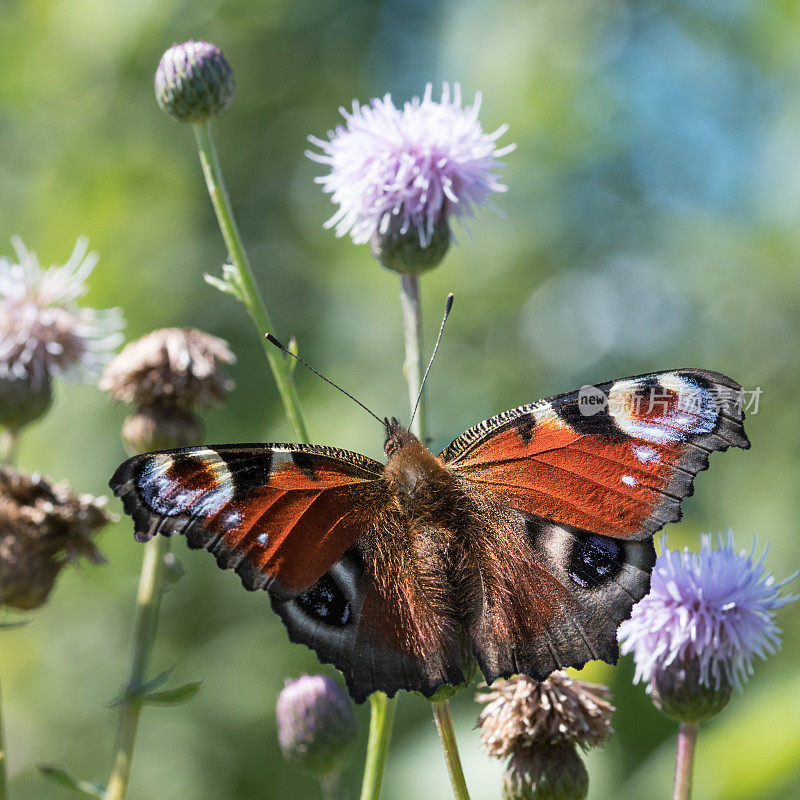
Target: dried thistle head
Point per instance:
(560, 710)
(179, 367)
(43, 527)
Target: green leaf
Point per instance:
(63, 778)
(18, 624)
(144, 689)
(170, 697)
(159, 680)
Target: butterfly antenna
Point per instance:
(448, 305)
(273, 340)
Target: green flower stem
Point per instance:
(380, 732)
(245, 284)
(330, 786)
(3, 777)
(444, 723)
(9, 445)
(684, 760)
(414, 366)
(148, 603)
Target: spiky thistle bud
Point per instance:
(194, 81)
(316, 724)
(546, 772)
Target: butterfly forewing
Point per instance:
(279, 514)
(615, 459)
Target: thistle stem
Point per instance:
(414, 366)
(148, 603)
(330, 786)
(3, 777)
(245, 284)
(380, 732)
(444, 723)
(9, 446)
(684, 760)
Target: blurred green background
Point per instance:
(651, 222)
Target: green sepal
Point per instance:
(450, 690)
(63, 778)
(443, 692)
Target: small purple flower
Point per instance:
(410, 168)
(316, 724)
(711, 611)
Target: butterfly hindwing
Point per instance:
(553, 595)
(615, 459)
(279, 514)
(381, 615)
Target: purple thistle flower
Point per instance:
(417, 165)
(43, 330)
(45, 333)
(713, 610)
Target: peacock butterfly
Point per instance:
(521, 546)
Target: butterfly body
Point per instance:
(520, 547)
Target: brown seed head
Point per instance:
(561, 709)
(181, 367)
(43, 526)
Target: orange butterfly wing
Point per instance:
(576, 487)
(618, 467)
(279, 514)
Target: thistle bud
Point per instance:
(316, 724)
(546, 772)
(676, 691)
(160, 427)
(23, 400)
(193, 81)
(399, 248)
